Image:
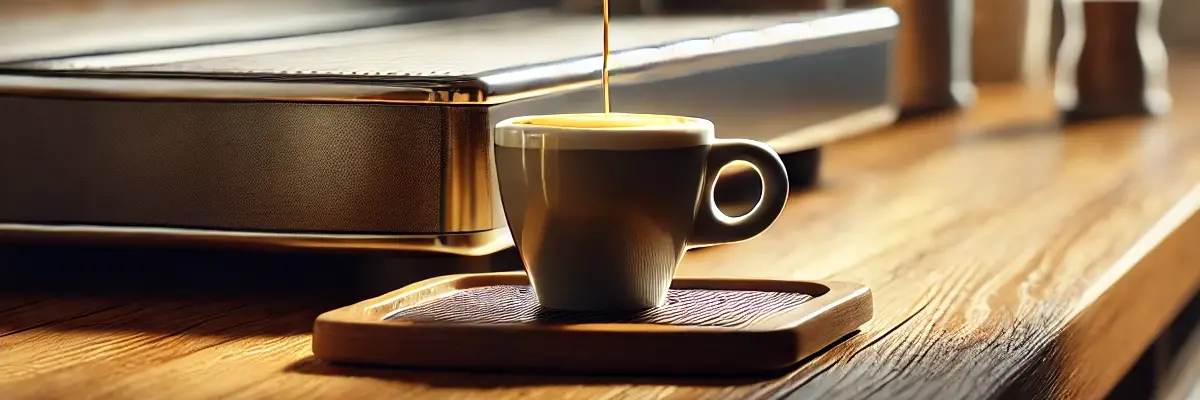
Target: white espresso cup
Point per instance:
(602, 207)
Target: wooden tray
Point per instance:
(492, 321)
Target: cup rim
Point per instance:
(683, 122)
(690, 131)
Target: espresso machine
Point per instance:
(366, 125)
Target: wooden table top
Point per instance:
(1008, 256)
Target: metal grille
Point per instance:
(462, 48)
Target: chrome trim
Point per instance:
(122, 87)
(464, 244)
(487, 87)
(470, 195)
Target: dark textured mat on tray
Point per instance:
(517, 304)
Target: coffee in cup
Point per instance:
(602, 207)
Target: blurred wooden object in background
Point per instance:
(933, 58)
(1179, 23)
(1011, 40)
(1112, 60)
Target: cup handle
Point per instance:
(712, 226)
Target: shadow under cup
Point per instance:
(602, 215)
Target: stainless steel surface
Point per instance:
(465, 244)
(447, 63)
(705, 6)
(792, 103)
(833, 68)
(45, 29)
(615, 7)
(295, 142)
(1112, 60)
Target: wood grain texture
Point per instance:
(1009, 256)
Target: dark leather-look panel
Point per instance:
(511, 304)
(282, 167)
